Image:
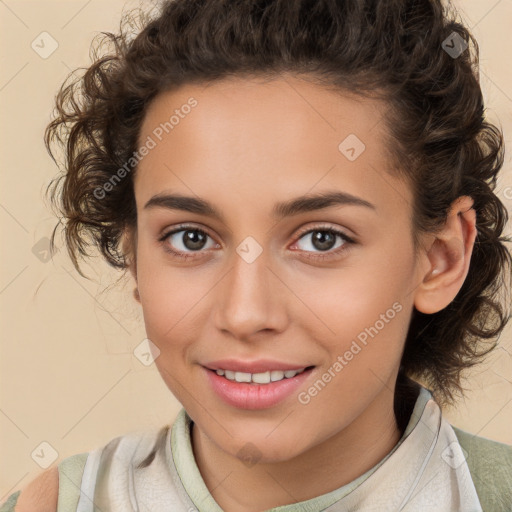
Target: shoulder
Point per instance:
(485, 451)
(58, 486)
(490, 465)
(55, 487)
(61, 485)
(41, 494)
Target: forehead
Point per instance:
(261, 138)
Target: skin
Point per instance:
(41, 494)
(244, 147)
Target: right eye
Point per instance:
(186, 240)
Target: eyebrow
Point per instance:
(302, 204)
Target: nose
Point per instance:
(251, 299)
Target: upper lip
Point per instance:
(257, 366)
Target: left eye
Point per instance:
(323, 240)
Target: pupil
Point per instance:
(323, 240)
(193, 239)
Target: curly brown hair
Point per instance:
(414, 54)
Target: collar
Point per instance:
(403, 468)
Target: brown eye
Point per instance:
(323, 242)
(184, 241)
(191, 239)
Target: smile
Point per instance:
(259, 378)
(263, 390)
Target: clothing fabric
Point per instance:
(428, 470)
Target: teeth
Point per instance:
(259, 378)
(276, 375)
(242, 377)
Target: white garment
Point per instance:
(425, 472)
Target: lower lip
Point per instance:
(246, 395)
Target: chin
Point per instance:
(258, 450)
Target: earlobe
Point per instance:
(449, 257)
(133, 270)
(129, 246)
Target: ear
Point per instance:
(449, 256)
(129, 246)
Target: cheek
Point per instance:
(368, 301)
(367, 283)
(169, 302)
(166, 294)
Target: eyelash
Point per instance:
(319, 257)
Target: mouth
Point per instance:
(263, 390)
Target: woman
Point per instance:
(303, 193)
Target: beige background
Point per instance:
(68, 374)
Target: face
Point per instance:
(244, 272)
